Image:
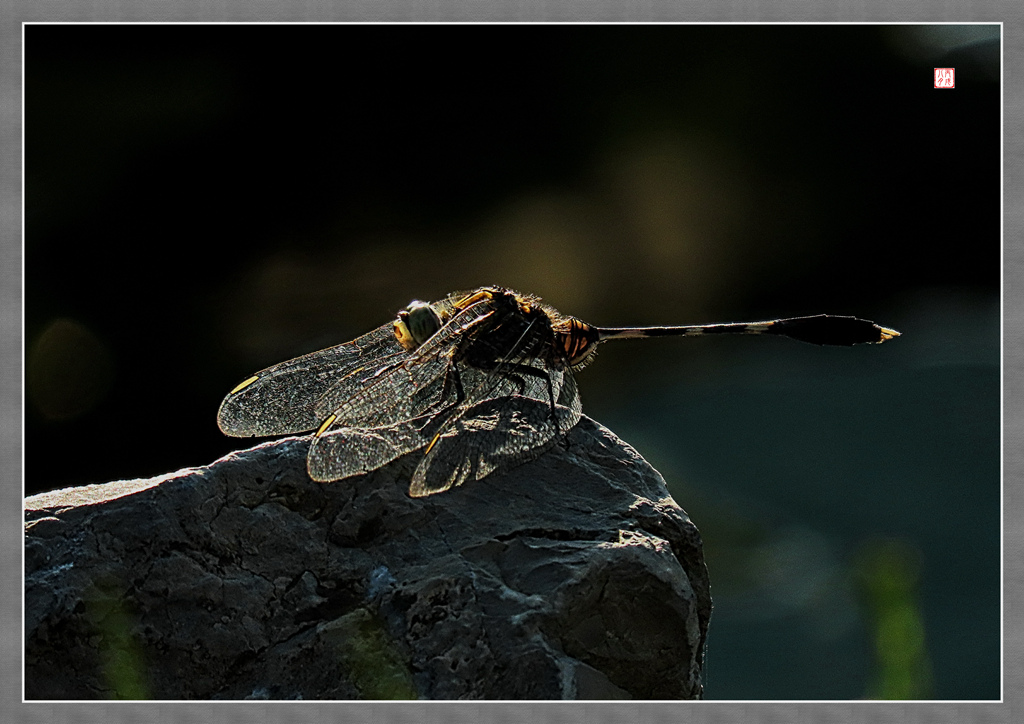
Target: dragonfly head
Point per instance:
(416, 324)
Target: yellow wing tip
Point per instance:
(242, 385)
(432, 443)
(327, 424)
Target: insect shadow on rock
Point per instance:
(477, 381)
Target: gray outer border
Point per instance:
(17, 12)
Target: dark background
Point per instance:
(203, 201)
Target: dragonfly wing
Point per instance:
(410, 385)
(506, 419)
(496, 433)
(282, 399)
(345, 381)
(509, 415)
(569, 400)
(379, 414)
(348, 451)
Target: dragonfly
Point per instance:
(477, 381)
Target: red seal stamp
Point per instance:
(944, 78)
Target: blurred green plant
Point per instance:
(372, 658)
(120, 653)
(887, 575)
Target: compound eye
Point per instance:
(402, 333)
(415, 325)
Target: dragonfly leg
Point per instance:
(452, 379)
(452, 383)
(541, 374)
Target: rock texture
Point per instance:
(574, 576)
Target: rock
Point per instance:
(574, 576)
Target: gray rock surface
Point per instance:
(574, 576)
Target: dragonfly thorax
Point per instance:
(514, 328)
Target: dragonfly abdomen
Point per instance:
(577, 341)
